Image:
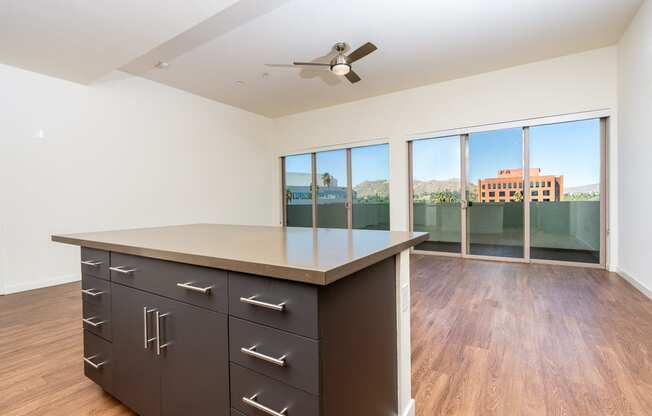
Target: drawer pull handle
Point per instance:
(252, 301)
(146, 339)
(159, 346)
(121, 269)
(251, 401)
(91, 263)
(189, 285)
(251, 351)
(90, 362)
(92, 292)
(90, 322)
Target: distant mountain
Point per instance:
(584, 189)
(372, 188)
(434, 185)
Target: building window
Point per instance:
(492, 194)
(483, 187)
(535, 193)
(549, 184)
(501, 193)
(546, 192)
(317, 186)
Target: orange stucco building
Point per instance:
(507, 186)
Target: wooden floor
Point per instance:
(487, 338)
(514, 339)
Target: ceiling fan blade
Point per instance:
(352, 77)
(311, 64)
(361, 52)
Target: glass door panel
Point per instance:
(495, 193)
(298, 194)
(332, 189)
(565, 201)
(436, 199)
(370, 180)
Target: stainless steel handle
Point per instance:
(91, 263)
(251, 401)
(92, 364)
(90, 322)
(252, 301)
(92, 292)
(251, 351)
(146, 339)
(158, 317)
(189, 286)
(121, 269)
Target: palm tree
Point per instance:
(326, 179)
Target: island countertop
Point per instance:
(317, 256)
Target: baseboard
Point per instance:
(636, 283)
(409, 410)
(22, 287)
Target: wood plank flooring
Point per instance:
(487, 338)
(514, 339)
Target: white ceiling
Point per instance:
(83, 40)
(419, 41)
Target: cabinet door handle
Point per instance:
(251, 401)
(122, 270)
(146, 339)
(251, 351)
(189, 285)
(159, 345)
(91, 263)
(92, 292)
(90, 322)
(92, 364)
(252, 301)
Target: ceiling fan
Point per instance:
(340, 65)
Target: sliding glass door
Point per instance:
(530, 193)
(436, 193)
(332, 189)
(298, 190)
(351, 188)
(565, 193)
(370, 177)
(494, 216)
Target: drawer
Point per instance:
(200, 286)
(95, 263)
(97, 361)
(96, 318)
(96, 291)
(261, 391)
(281, 304)
(295, 359)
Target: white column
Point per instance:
(405, 400)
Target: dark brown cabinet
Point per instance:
(194, 365)
(169, 358)
(170, 339)
(136, 369)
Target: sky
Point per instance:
(568, 149)
(367, 163)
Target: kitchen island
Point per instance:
(248, 320)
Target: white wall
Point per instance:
(122, 153)
(571, 84)
(635, 149)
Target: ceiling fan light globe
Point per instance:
(340, 69)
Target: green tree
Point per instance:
(518, 196)
(326, 179)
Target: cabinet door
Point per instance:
(136, 370)
(194, 364)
